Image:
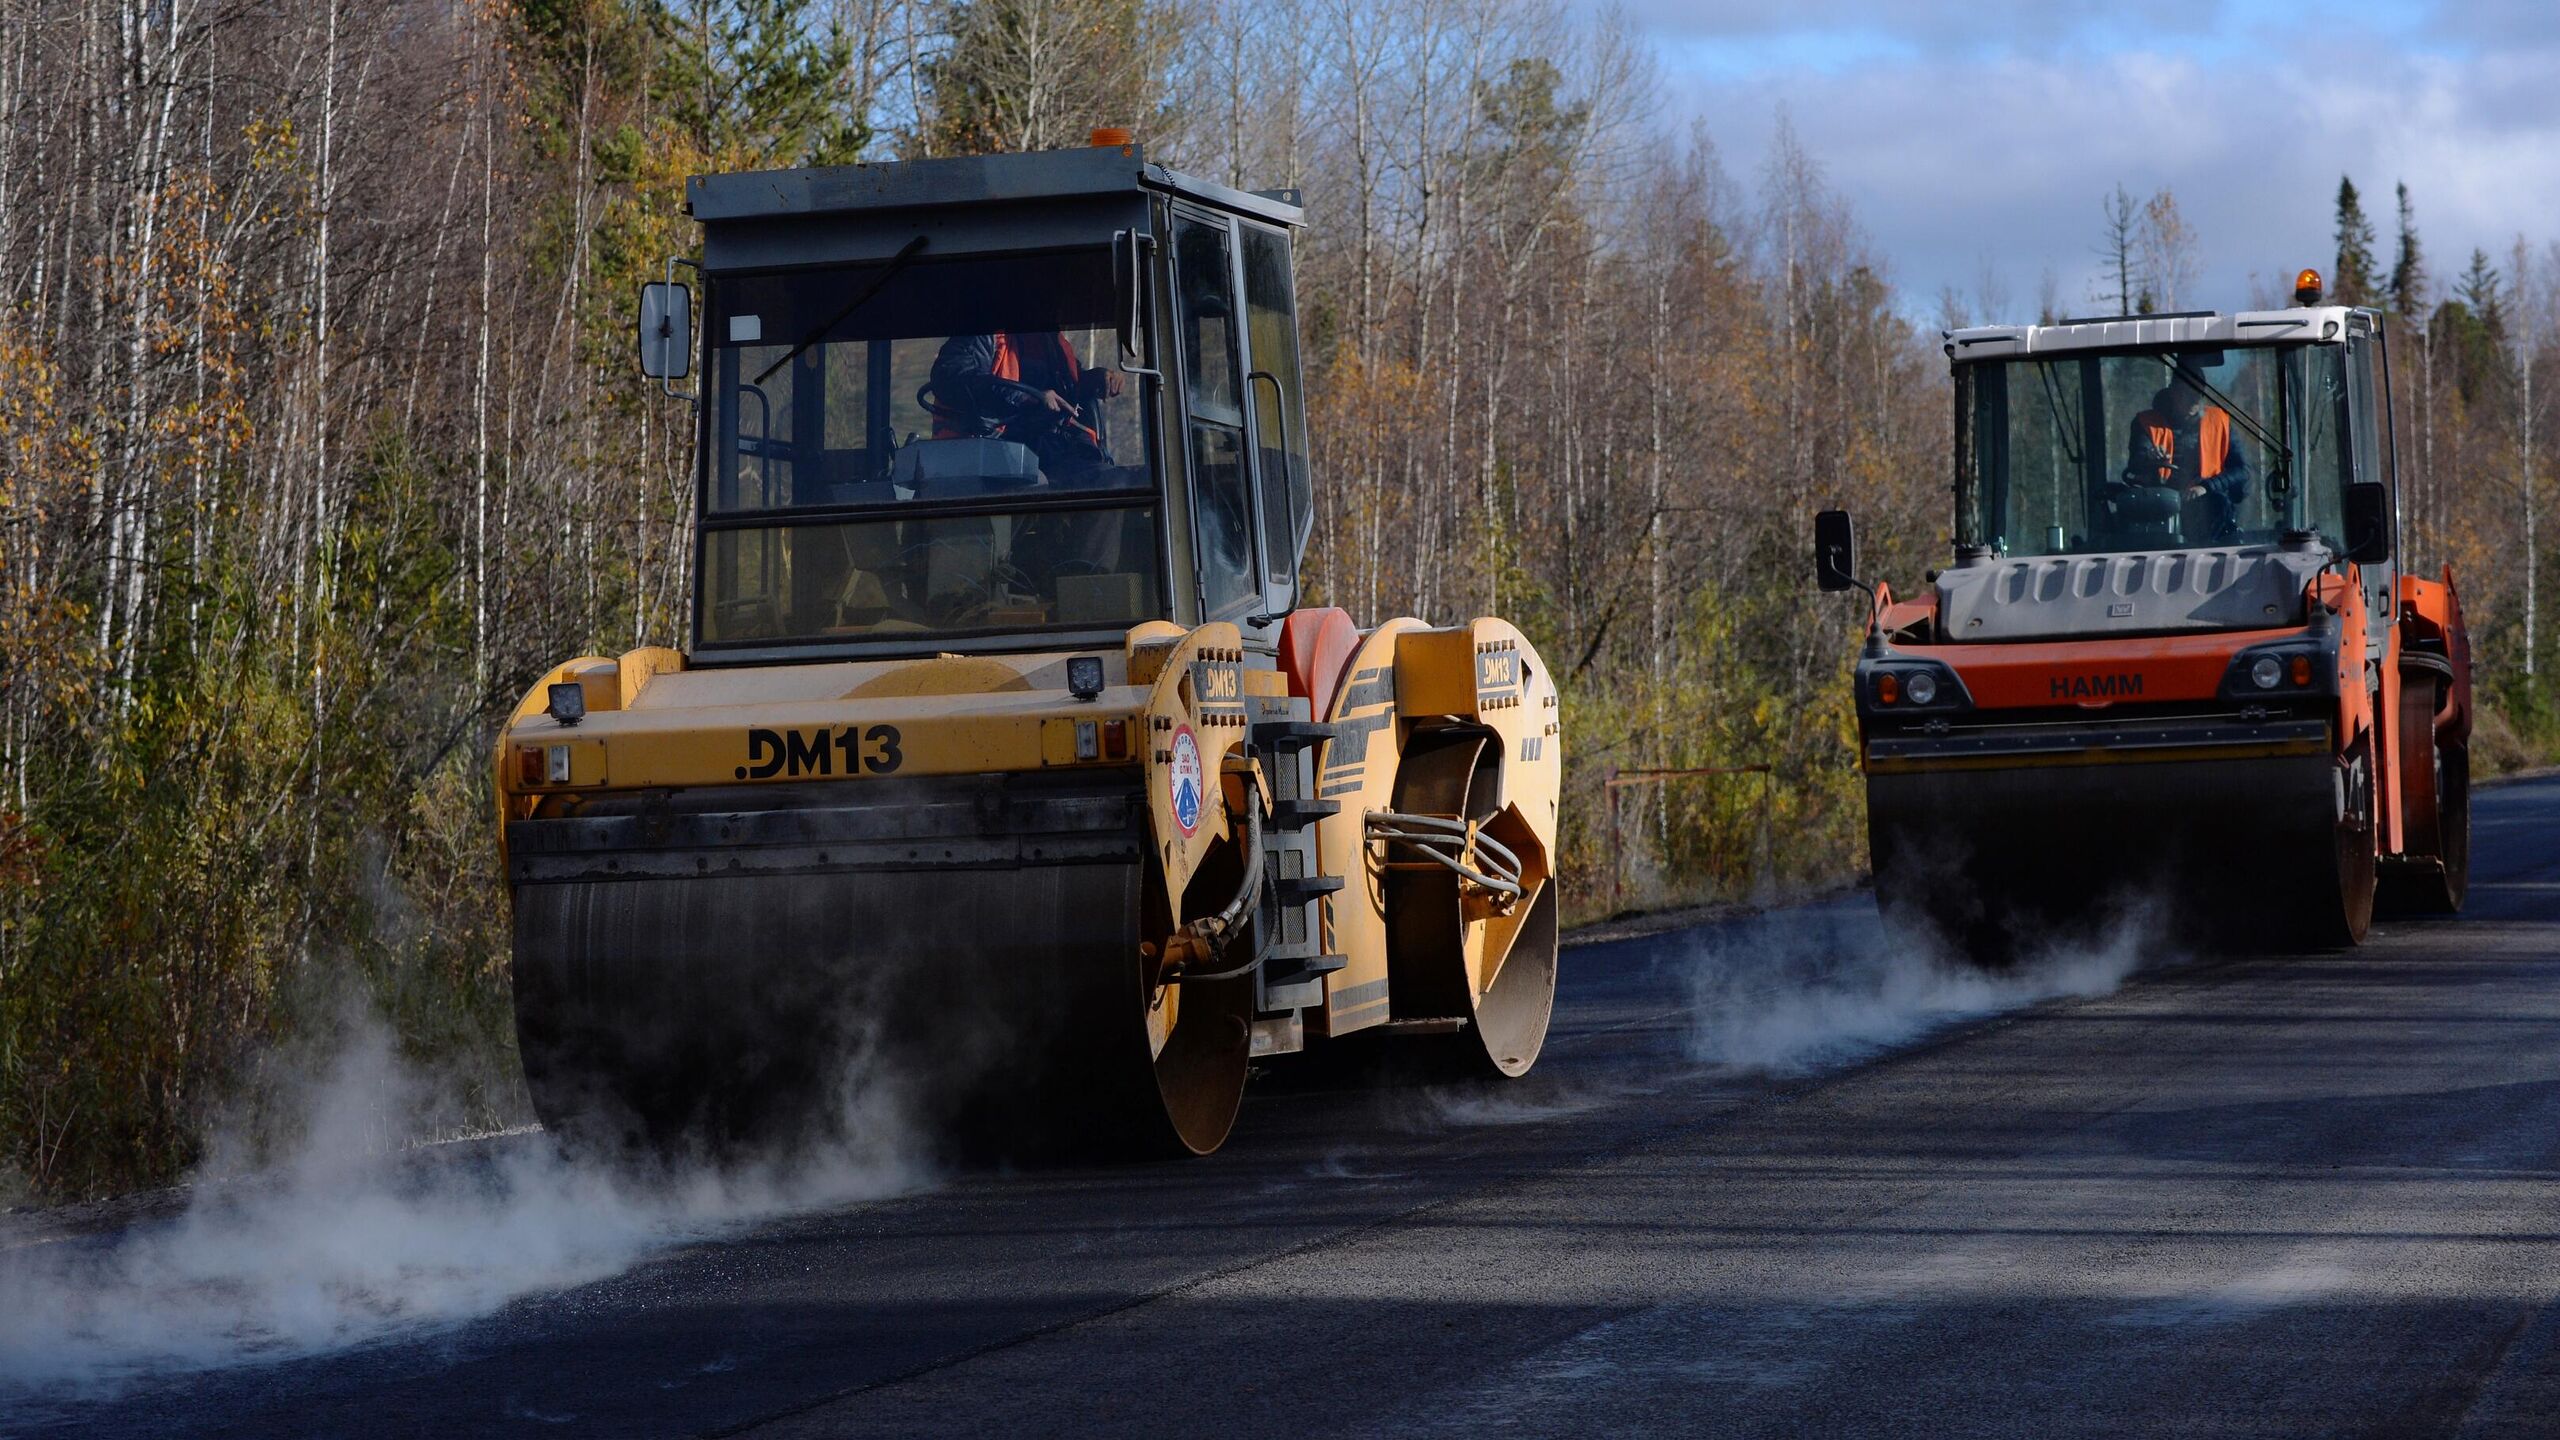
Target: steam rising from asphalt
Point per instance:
(351, 1238)
(1803, 991)
(1459, 1106)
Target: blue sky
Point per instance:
(1975, 141)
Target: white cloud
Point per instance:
(2001, 23)
(1969, 134)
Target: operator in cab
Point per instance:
(2182, 443)
(1028, 388)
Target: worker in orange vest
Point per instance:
(2184, 443)
(1027, 387)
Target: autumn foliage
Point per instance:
(319, 439)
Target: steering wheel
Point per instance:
(2144, 503)
(1067, 429)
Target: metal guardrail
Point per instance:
(1614, 779)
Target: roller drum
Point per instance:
(741, 971)
(1999, 862)
(1458, 773)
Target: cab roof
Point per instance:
(960, 205)
(2307, 323)
(959, 180)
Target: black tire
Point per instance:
(2439, 887)
(2453, 803)
(2435, 817)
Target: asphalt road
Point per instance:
(2274, 1196)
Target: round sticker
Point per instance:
(1185, 775)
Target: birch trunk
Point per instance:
(480, 376)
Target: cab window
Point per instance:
(937, 448)
(1204, 277)
(1279, 408)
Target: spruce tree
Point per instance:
(2408, 268)
(2481, 293)
(760, 79)
(2353, 282)
(2470, 327)
(1039, 74)
(784, 82)
(2119, 273)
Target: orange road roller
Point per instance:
(2175, 663)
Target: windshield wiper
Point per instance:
(2053, 403)
(2282, 452)
(897, 263)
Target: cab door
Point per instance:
(2370, 446)
(1209, 338)
(1245, 424)
(1283, 489)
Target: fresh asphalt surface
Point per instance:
(2276, 1196)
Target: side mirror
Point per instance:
(2368, 523)
(666, 330)
(1835, 550)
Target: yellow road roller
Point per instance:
(1004, 772)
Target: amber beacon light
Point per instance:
(2306, 288)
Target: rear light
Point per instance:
(1115, 739)
(1088, 740)
(2301, 669)
(1888, 689)
(559, 764)
(528, 765)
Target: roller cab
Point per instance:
(1004, 774)
(2174, 667)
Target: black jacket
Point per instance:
(2144, 462)
(980, 401)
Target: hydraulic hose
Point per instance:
(1212, 933)
(1458, 845)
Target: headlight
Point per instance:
(1908, 683)
(2280, 670)
(1084, 676)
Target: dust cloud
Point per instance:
(356, 1235)
(1805, 991)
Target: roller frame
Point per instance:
(613, 871)
(1405, 685)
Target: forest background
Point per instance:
(320, 438)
